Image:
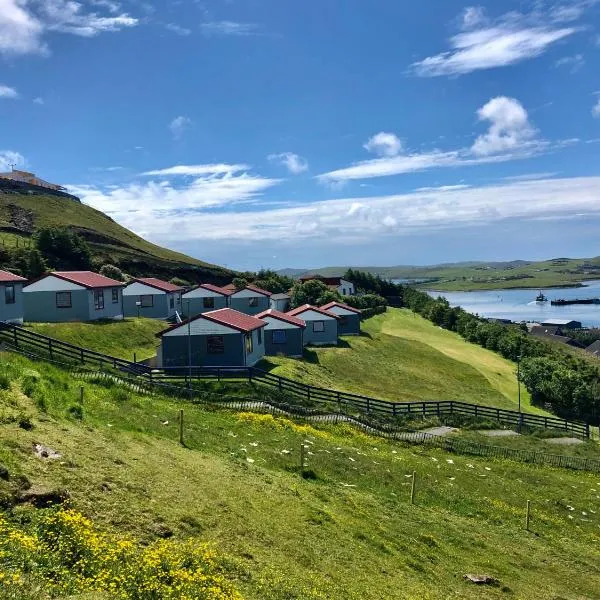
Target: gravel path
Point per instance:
(564, 441)
(498, 432)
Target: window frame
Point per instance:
(282, 335)
(249, 343)
(208, 302)
(66, 294)
(151, 305)
(314, 326)
(171, 301)
(115, 295)
(215, 348)
(12, 297)
(99, 299)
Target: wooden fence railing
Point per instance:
(344, 402)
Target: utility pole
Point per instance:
(189, 318)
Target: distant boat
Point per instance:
(541, 298)
(562, 302)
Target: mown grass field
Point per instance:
(349, 532)
(402, 356)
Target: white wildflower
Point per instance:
(250, 460)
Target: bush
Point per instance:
(180, 282)
(112, 271)
(76, 411)
(4, 382)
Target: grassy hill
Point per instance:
(21, 215)
(346, 532)
(401, 356)
(483, 275)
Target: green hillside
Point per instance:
(21, 215)
(555, 272)
(346, 531)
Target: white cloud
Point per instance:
(510, 136)
(509, 126)
(228, 28)
(167, 215)
(596, 108)
(198, 170)
(294, 163)
(384, 144)
(178, 29)
(512, 39)
(8, 92)
(23, 23)
(38, 100)
(573, 63)
(179, 125)
(8, 158)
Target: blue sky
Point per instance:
(266, 133)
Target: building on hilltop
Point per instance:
(20, 182)
(32, 179)
(336, 284)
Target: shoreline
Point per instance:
(505, 289)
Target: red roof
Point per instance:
(340, 305)
(282, 317)
(7, 277)
(305, 307)
(215, 288)
(87, 279)
(225, 316)
(159, 284)
(231, 289)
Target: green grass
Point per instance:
(402, 356)
(349, 534)
(115, 338)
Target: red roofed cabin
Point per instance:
(251, 300)
(64, 296)
(349, 317)
(336, 284)
(284, 333)
(220, 338)
(152, 298)
(11, 297)
(321, 325)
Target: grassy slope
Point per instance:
(481, 276)
(56, 211)
(116, 338)
(405, 357)
(349, 534)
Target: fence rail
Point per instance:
(344, 402)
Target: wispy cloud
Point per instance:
(8, 93)
(229, 28)
(179, 125)
(573, 63)
(596, 107)
(510, 136)
(198, 170)
(38, 100)
(174, 28)
(294, 163)
(168, 215)
(23, 24)
(484, 45)
(10, 157)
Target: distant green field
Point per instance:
(346, 532)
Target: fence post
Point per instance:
(302, 458)
(587, 430)
(16, 338)
(527, 515)
(412, 487)
(181, 426)
(134, 358)
(82, 359)
(50, 348)
(81, 392)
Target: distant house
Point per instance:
(284, 333)
(152, 298)
(321, 325)
(204, 298)
(280, 302)
(250, 300)
(11, 297)
(336, 284)
(349, 317)
(594, 348)
(221, 338)
(562, 323)
(553, 333)
(64, 296)
(541, 330)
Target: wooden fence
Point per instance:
(311, 396)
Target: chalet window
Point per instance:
(343, 291)
(147, 301)
(343, 320)
(115, 295)
(253, 301)
(9, 294)
(63, 300)
(215, 344)
(259, 336)
(99, 299)
(178, 299)
(172, 302)
(208, 302)
(318, 326)
(249, 345)
(279, 336)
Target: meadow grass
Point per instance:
(347, 531)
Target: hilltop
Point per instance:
(22, 214)
(555, 272)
